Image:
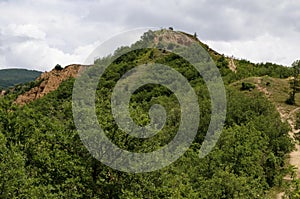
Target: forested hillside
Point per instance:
(12, 77)
(42, 156)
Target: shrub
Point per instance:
(298, 120)
(58, 67)
(247, 86)
(171, 46)
(160, 45)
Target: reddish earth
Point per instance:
(50, 81)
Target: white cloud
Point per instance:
(24, 30)
(39, 34)
(264, 48)
(37, 54)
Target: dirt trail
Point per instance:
(294, 156)
(232, 65)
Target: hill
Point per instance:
(43, 155)
(12, 77)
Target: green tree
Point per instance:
(12, 171)
(294, 83)
(58, 67)
(294, 190)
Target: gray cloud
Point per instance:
(39, 34)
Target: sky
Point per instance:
(38, 34)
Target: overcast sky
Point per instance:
(37, 34)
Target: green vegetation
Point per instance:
(58, 67)
(247, 69)
(294, 191)
(247, 86)
(42, 155)
(277, 90)
(298, 120)
(294, 83)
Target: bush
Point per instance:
(290, 100)
(247, 86)
(160, 45)
(298, 120)
(58, 67)
(171, 46)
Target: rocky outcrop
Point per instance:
(168, 36)
(50, 81)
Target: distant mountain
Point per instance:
(11, 77)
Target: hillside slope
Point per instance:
(43, 156)
(277, 91)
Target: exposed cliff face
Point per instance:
(50, 81)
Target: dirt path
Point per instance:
(294, 156)
(232, 65)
